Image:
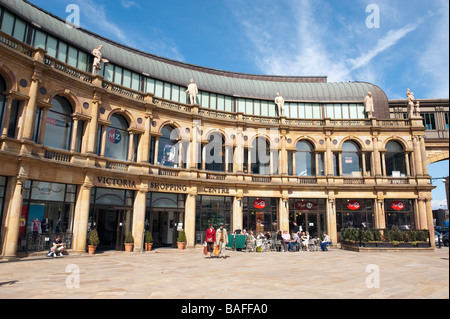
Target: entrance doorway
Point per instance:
(165, 225)
(112, 225)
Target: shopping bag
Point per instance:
(205, 249)
(216, 251)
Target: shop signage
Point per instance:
(217, 190)
(353, 205)
(168, 187)
(114, 136)
(260, 204)
(398, 205)
(116, 182)
(305, 206)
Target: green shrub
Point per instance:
(367, 236)
(423, 235)
(182, 237)
(148, 237)
(129, 239)
(94, 240)
(350, 234)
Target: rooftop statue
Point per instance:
(368, 103)
(279, 101)
(414, 108)
(192, 90)
(98, 59)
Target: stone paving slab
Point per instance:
(173, 274)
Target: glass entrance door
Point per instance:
(165, 225)
(112, 225)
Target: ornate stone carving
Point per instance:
(413, 106)
(279, 101)
(369, 105)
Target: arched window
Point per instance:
(58, 126)
(260, 157)
(395, 159)
(305, 160)
(117, 138)
(215, 153)
(2, 102)
(351, 159)
(168, 147)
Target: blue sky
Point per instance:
(410, 49)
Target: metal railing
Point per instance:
(31, 242)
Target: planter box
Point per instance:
(347, 243)
(423, 245)
(385, 245)
(370, 245)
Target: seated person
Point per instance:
(250, 242)
(294, 242)
(326, 241)
(305, 240)
(286, 239)
(57, 248)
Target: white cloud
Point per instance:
(127, 4)
(439, 204)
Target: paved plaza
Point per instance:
(173, 274)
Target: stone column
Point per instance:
(430, 222)
(417, 157)
(284, 212)
(104, 136)
(12, 222)
(423, 220)
(131, 146)
(189, 217)
(82, 217)
(329, 158)
(73, 143)
(331, 219)
(376, 157)
(238, 217)
(30, 112)
(423, 152)
(93, 126)
(139, 210)
(380, 217)
(7, 117)
(144, 144)
(283, 157)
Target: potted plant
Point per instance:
(129, 243)
(181, 240)
(148, 241)
(94, 241)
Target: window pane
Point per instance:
(213, 101)
(293, 110)
(52, 45)
(353, 111)
(175, 93)
(82, 61)
(229, 104)
(62, 52)
(204, 99)
(329, 111)
(308, 111)
(337, 111)
(8, 23)
(241, 105)
(19, 30)
(39, 39)
(183, 95)
(73, 57)
(301, 111)
(58, 127)
(249, 107)
(167, 91)
(159, 89)
(126, 78)
(116, 144)
(317, 111)
(109, 73)
(361, 111)
(345, 111)
(272, 108)
(264, 108)
(118, 75)
(150, 86)
(136, 82)
(221, 103)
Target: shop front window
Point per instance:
(308, 215)
(215, 153)
(261, 215)
(354, 213)
(399, 213)
(117, 138)
(351, 159)
(215, 210)
(168, 147)
(58, 126)
(48, 209)
(395, 160)
(305, 161)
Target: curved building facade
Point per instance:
(124, 151)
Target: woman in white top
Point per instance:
(305, 240)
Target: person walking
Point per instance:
(222, 240)
(210, 239)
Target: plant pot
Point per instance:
(129, 248)
(148, 246)
(91, 249)
(181, 246)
